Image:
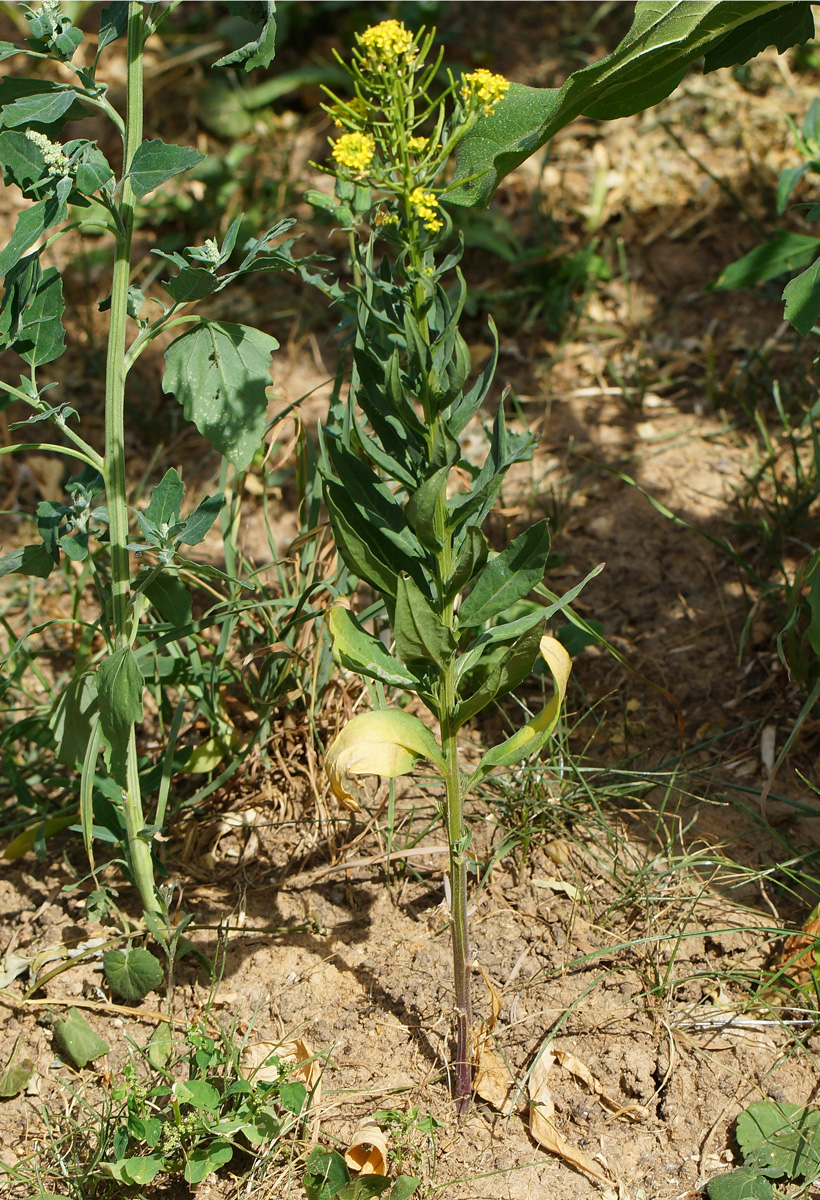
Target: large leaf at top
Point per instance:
(220, 372)
(665, 39)
(259, 52)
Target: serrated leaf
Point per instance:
(91, 169)
(786, 25)
(782, 253)
(76, 1039)
(195, 527)
(155, 162)
(260, 51)
(42, 337)
(192, 283)
(780, 1138)
(27, 560)
(744, 1184)
(220, 374)
(132, 973)
(119, 687)
(508, 577)
(165, 504)
(664, 40)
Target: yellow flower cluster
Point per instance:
(386, 42)
(351, 113)
(487, 87)
(354, 151)
(417, 145)
(426, 207)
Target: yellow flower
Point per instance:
(386, 742)
(426, 208)
(386, 42)
(350, 114)
(417, 145)
(354, 151)
(484, 86)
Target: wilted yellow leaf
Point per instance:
(367, 1152)
(386, 742)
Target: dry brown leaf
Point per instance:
(542, 1127)
(495, 998)
(367, 1152)
(295, 1051)
(800, 953)
(635, 1112)
(492, 1081)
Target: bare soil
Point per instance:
(646, 964)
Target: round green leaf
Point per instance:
(132, 974)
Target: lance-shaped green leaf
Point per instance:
(511, 668)
(155, 162)
(362, 549)
(665, 39)
(421, 508)
(508, 577)
(220, 373)
(388, 742)
(195, 526)
(357, 650)
(119, 687)
(538, 730)
(260, 51)
(73, 720)
(784, 252)
(419, 632)
(472, 555)
(165, 504)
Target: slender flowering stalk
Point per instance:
(391, 454)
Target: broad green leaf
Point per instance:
(357, 650)
(74, 718)
(140, 1170)
(76, 1039)
(802, 296)
(744, 1184)
(205, 1161)
(784, 252)
(42, 109)
(326, 1174)
(537, 731)
(420, 633)
(362, 550)
(471, 558)
(170, 597)
(27, 560)
(780, 1139)
(664, 40)
(386, 742)
(364, 1188)
(165, 504)
(155, 162)
(198, 1093)
(404, 1187)
(293, 1096)
(132, 973)
(15, 1077)
(508, 577)
(160, 1046)
(7, 49)
(260, 51)
(192, 283)
(42, 337)
(32, 223)
(220, 374)
(22, 161)
(119, 686)
(91, 169)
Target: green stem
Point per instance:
(139, 851)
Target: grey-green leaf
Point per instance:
(132, 973)
(27, 560)
(74, 718)
(155, 162)
(165, 504)
(41, 109)
(32, 223)
(42, 335)
(357, 650)
(77, 1040)
(802, 296)
(195, 527)
(508, 577)
(220, 373)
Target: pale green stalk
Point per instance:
(139, 851)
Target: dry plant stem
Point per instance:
(114, 471)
